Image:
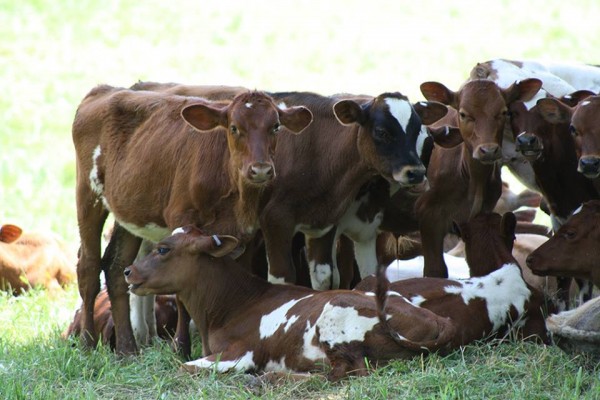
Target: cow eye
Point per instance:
(163, 250)
(382, 134)
(276, 128)
(572, 130)
(234, 129)
(463, 116)
(569, 235)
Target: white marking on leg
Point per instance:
(95, 183)
(244, 363)
(339, 325)
(276, 366)
(320, 275)
(276, 280)
(270, 323)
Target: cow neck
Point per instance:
(220, 289)
(484, 182)
(563, 187)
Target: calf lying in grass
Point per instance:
(253, 325)
(495, 299)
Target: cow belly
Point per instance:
(151, 232)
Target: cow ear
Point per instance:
(349, 112)
(435, 91)
(508, 225)
(223, 245)
(205, 117)
(430, 112)
(572, 99)
(554, 111)
(446, 136)
(522, 90)
(296, 119)
(9, 233)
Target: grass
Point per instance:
(53, 52)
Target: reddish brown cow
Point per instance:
(140, 157)
(465, 180)
(33, 259)
(494, 300)
(573, 250)
(165, 310)
(281, 327)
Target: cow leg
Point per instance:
(182, 342)
(586, 289)
(322, 263)
(433, 230)
(345, 262)
(120, 253)
(143, 318)
(91, 217)
(278, 234)
(366, 256)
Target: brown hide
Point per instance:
(35, 259)
(140, 155)
(488, 243)
(573, 250)
(280, 326)
(465, 180)
(165, 310)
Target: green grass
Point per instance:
(53, 52)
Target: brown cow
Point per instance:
(165, 310)
(465, 180)
(257, 325)
(140, 157)
(33, 259)
(495, 299)
(573, 250)
(320, 173)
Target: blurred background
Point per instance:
(52, 52)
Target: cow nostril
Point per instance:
(415, 176)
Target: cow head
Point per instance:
(390, 126)
(167, 269)
(253, 122)
(482, 110)
(573, 250)
(584, 120)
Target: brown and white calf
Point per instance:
(495, 299)
(573, 250)
(34, 259)
(165, 310)
(255, 325)
(465, 179)
(140, 156)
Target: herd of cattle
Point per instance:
(227, 197)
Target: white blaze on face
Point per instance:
(270, 323)
(339, 325)
(401, 110)
(501, 290)
(244, 363)
(95, 183)
(309, 350)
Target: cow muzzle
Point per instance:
(487, 153)
(533, 263)
(589, 166)
(410, 175)
(261, 172)
(529, 146)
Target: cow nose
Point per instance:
(526, 140)
(261, 172)
(127, 271)
(488, 153)
(415, 176)
(589, 166)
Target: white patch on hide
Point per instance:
(270, 323)
(244, 363)
(339, 325)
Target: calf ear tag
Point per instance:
(217, 240)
